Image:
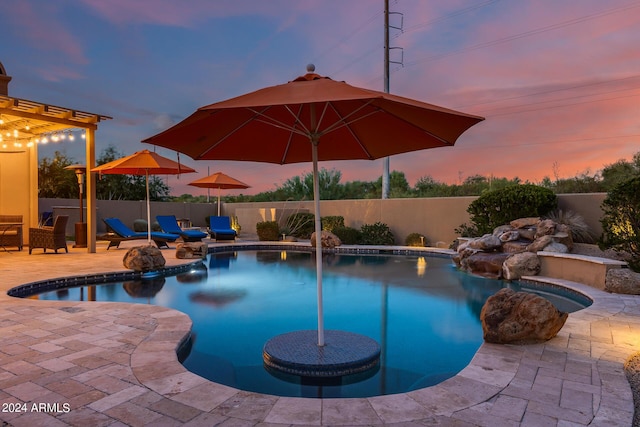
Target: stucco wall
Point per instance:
(436, 218)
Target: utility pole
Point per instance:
(387, 61)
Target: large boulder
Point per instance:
(545, 227)
(524, 222)
(327, 239)
(486, 243)
(520, 317)
(540, 243)
(190, 250)
(520, 264)
(622, 281)
(487, 264)
(144, 258)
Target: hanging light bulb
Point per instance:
(72, 137)
(84, 135)
(15, 133)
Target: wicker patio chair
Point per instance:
(11, 231)
(50, 237)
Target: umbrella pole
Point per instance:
(148, 209)
(218, 202)
(318, 229)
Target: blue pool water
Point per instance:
(421, 310)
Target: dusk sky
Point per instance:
(557, 80)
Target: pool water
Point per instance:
(421, 310)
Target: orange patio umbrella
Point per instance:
(310, 119)
(220, 181)
(145, 163)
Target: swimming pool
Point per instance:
(422, 311)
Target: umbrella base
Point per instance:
(298, 353)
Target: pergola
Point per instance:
(24, 125)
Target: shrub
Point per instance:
(502, 206)
(416, 239)
(348, 235)
(580, 232)
(268, 231)
(621, 220)
(330, 223)
(377, 234)
(301, 224)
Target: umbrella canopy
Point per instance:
(145, 163)
(220, 181)
(314, 118)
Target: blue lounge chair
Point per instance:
(121, 232)
(220, 228)
(169, 224)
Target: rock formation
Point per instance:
(519, 317)
(143, 258)
(190, 250)
(523, 235)
(327, 239)
(622, 281)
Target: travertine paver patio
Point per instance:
(109, 364)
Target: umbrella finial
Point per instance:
(311, 68)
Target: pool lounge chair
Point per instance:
(120, 233)
(169, 224)
(220, 228)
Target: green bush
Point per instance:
(416, 239)
(499, 207)
(348, 235)
(268, 231)
(377, 234)
(330, 223)
(301, 224)
(621, 220)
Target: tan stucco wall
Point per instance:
(436, 218)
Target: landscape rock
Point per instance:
(520, 317)
(501, 229)
(520, 264)
(488, 242)
(622, 281)
(515, 246)
(528, 233)
(487, 264)
(563, 235)
(524, 222)
(545, 227)
(540, 243)
(144, 258)
(188, 250)
(556, 247)
(327, 239)
(509, 236)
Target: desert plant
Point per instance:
(329, 223)
(348, 235)
(580, 232)
(502, 206)
(621, 220)
(416, 239)
(268, 231)
(377, 234)
(300, 224)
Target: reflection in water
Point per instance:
(222, 260)
(197, 274)
(217, 297)
(144, 288)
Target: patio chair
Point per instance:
(169, 224)
(11, 231)
(120, 233)
(220, 228)
(50, 237)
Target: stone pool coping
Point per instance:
(576, 378)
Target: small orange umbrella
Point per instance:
(220, 181)
(144, 163)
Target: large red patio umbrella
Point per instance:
(220, 181)
(145, 163)
(313, 118)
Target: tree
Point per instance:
(54, 180)
(301, 187)
(127, 187)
